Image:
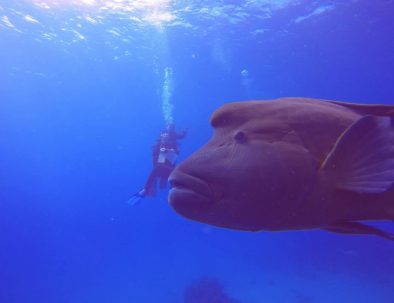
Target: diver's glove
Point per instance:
(136, 198)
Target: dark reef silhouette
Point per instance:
(207, 290)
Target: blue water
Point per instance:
(82, 86)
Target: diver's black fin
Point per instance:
(136, 198)
(362, 160)
(360, 229)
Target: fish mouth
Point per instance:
(189, 195)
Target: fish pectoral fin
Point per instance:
(362, 159)
(358, 228)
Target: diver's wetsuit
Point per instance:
(164, 154)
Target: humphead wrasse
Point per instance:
(292, 164)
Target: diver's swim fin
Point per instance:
(136, 198)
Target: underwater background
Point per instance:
(85, 88)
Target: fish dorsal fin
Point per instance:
(362, 159)
(368, 109)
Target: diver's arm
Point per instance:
(182, 134)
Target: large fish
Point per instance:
(292, 164)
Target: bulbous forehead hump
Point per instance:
(233, 114)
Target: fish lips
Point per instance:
(189, 195)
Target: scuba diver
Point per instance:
(164, 155)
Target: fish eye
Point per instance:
(240, 137)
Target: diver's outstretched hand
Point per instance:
(136, 198)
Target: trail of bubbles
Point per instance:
(167, 106)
